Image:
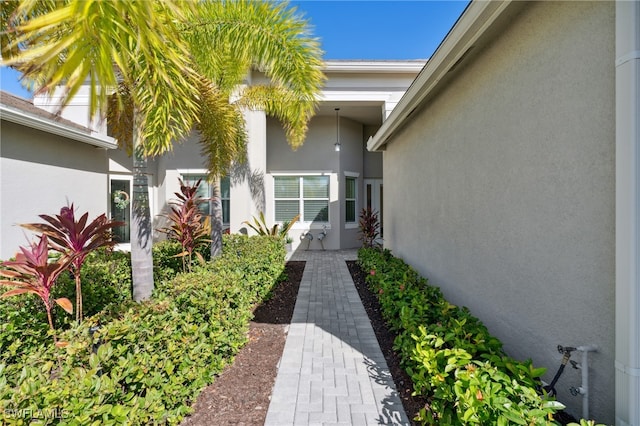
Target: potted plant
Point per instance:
(260, 226)
(288, 243)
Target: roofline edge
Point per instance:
(96, 139)
(476, 19)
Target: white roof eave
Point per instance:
(476, 19)
(40, 123)
(389, 66)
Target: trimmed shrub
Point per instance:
(106, 279)
(450, 355)
(147, 362)
(167, 261)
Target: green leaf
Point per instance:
(514, 418)
(553, 404)
(468, 414)
(538, 372)
(119, 411)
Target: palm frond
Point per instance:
(271, 35)
(120, 117)
(78, 40)
(223, 138)
(228, 39)
(293, 111)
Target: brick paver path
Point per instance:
(332, 371)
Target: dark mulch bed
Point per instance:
(240, 395)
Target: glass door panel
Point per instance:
(121, 209)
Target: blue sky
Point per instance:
(380, 29)
(358, 29)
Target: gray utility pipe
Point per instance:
(584, 369)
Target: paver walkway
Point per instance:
(332, 371)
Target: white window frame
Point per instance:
(351, 225)
(301, 223)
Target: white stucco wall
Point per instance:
(501, 190)
(39, 174)
(248, 193)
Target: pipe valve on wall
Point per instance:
(307, 236)
(322, 235)
(584, 368)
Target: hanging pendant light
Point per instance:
(336, 145)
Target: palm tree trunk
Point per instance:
(216, 220)
(141, 229)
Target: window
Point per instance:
(307, 196)
(205, 190)
(350, 199)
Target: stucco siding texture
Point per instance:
(501, 190)
(316, 154)
(39, 174)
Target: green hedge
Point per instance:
(450, 355)
(153, 358)
(106, 280)
(166, 264)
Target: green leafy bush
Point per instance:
(584, 422)
(153, 358)
(257, 258)
(76, 239)
(32, 272)
(450, 355)
(167, 261)
(106, 279)
(23, 326)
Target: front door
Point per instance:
(373, 197)
(121, 209)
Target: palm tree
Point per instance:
(67, 43)
(229, 39)
(177, 64)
